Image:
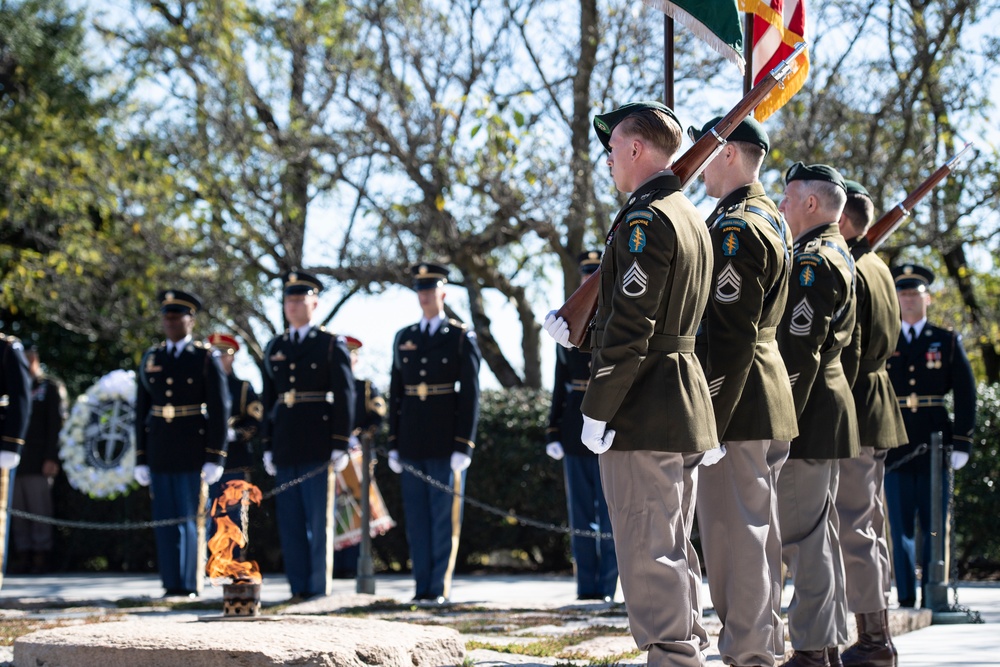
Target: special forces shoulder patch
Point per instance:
(636, 240)
(728, 285)
(808, 262)
(634, 281)
(802, 318)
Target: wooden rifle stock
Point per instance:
(893, 218)
(579, 309)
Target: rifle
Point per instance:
(579, 309)
(893, 218)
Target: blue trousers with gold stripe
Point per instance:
(174, 495)
(302, 527)
(433, 522)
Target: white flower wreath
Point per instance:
(97, 442)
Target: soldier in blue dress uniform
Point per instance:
(369, 411)
(596, 563)
(929, 362)
(433, 414)
(308, 417)
(15, 414)
(181, 411)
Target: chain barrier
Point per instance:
(139, 525)
(922, 448)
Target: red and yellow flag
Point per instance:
(778, 25)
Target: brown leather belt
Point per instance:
(423, 390)
(291, 397)
(915, 401)
(658, 342)
(579, 385)
(170, 412)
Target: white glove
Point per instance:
(231, 435)
(269, 466)
(394, 464)
(353, 442)
(557, 328)
(958, 460)
(596, 436)
(9, 460)
(211, 472)
(554, 450)
(340, 459)
(713, 456)
(141, 475)
(460, 461)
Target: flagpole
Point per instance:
(748, 52)
(668, 61)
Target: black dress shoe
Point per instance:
(909, 604)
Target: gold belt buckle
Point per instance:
(169, 413)
(290, 398)
(422, 391)
(912, 402)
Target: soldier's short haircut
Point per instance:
(655, 128)
(860, 210)
(752, 155)
(830, 195)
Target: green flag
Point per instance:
(717, 22)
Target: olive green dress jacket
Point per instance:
(646, 381)
(737, 343)
(817, 325)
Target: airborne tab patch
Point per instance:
(639, 218)
(637, 240)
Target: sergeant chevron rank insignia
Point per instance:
(802, 318)
(728, 285)
(634, 281)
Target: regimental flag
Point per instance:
(778, 25)
(716, 22)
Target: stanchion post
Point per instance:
(366, 576)
(936, 588)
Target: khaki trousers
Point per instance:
(862, 530)
(777, 454)
(817, 614)
(737, 502)
(645, 494)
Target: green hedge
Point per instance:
(977, 493)
(510, 471)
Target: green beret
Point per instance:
(605, 123)
(855, 188)
(814, 172)
(750, 131)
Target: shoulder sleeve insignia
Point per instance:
(802, 318)
(642, 217)
(807, 276)
(728, 285)
(634, 281)
(637, 240)
(730, 243)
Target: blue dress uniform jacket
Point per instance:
(922, 373)
(817, 325)
(247, 412)
(880, 424)
(181, 409)
(15, 394)
(308, 397)
(565, 418)
(434, 392)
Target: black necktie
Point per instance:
(295, 337)
(911, 334)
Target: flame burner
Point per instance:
(241, 599)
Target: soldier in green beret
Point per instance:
(880, 428)
(647, 411)
(818, 323)
(754, 410)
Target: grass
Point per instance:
(554, 647)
